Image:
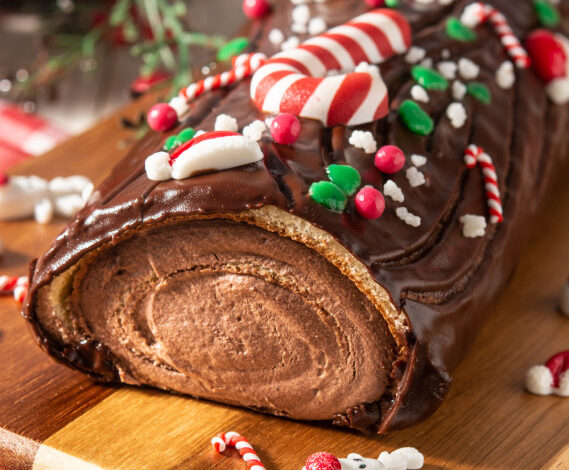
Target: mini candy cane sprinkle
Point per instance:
(243, 66)
(474, 155)
(17, 286)
(551, 378)
(478, 13)
(250, 457)
(296, 81)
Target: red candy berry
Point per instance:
(370, 203)
(256, 9)
(322, 461)
(375, 3)
(162, 117)
(285, 129)
(548, 56)
(3, 179)
(389, 159)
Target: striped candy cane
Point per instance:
(295, 81)
(478, 13)
(474, 155)
(17, 286)
(221, 441)
(243, 67)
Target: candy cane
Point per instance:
(163, 116)
(478, 13)
(17, 286)
(250, 457)
(295, 81)
(474, 155)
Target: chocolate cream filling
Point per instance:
(228, 311)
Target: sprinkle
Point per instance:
(473, 226)
(157, 166)
(254, 131)
(393, 191)
(415, 54)
(445, 54)
(468, 69)
(363, 140)
(221, 441)
(301, 14)
(418, 93)
(407, 217)
(479, 91)
(415, 177)
(456, 114)
(290, 43)
(224, 122)
(418, 160)
(317, 26)
(505, 76)
(416, 120)
(68, 205)
(299, 28)
(427, 63)
(276, 37)
(458, 90)
(448, 69)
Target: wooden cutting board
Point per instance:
(54, 418)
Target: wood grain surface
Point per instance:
(52, 418)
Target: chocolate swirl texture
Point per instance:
(237, 287)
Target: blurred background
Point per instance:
(65, 64)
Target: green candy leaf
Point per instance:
(328, 195)
(184, 136)
(429, 78)
(392, 3)
(459, 31)
(346, 177)
(232, 48)
(479, 91)
(169, 143)
(416, 120)
(547, 13)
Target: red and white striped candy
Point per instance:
(478, 13)
(250, 457)
(295, 81)
(17, 286)
(475, 155)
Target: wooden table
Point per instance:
(54, 418)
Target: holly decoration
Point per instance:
(416, 120)
(458, 31)
(547, 13)
(176, 140)
(333, 194)
(232, 48)
(479, 91)
(429, 78)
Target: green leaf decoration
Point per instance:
(429, 78)
(480, 91)
(232, 48)
(346, 177)
(328, 195)
(416, 120)
(547, 13)
(459, 31)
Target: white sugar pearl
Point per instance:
(317, 26)
(276, 37)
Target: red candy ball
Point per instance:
(370, 203)
(285, 129)
(4, 179)
(162, 117)
(256, 9)
(389, 159)
(322, 461)
(548, 56)
(375, 3)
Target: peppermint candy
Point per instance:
(295, 81)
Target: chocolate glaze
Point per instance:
(444, 282)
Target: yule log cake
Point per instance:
(319, 232)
